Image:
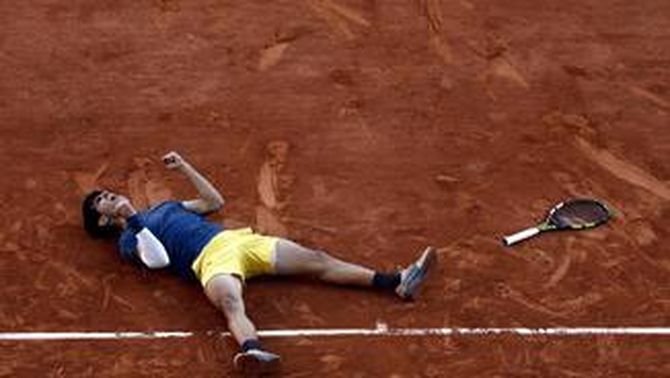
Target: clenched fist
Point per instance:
(173, 160)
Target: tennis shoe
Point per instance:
(413, 276)
(256, 363)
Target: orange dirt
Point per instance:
(369, 129)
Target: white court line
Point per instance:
(381, 330)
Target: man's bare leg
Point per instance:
(225, 292)
(293, 259)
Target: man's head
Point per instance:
(100, 210)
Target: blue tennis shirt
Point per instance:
(182, 232)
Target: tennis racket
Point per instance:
(575, 214)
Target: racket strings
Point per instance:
(580, 213)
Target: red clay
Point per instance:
(369, 129)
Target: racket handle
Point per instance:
(519, 236)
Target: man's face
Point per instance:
(108, 204)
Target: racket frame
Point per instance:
(548, 226)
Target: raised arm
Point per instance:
(209, 198)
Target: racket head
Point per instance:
(578, 214)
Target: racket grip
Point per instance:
(519, 236)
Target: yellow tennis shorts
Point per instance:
(240, 252)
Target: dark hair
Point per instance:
(92, 218)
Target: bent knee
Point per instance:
(230, 303)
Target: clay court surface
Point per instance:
(367, 128)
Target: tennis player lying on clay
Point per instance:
(175, 235)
